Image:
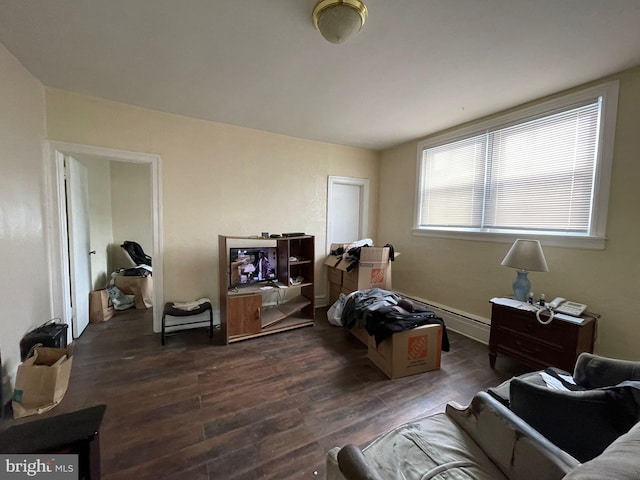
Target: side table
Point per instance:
(518, 334)
(76, 433)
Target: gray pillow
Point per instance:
(581, 423)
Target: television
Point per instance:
(249, 266)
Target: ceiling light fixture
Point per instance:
(337, 20)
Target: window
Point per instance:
(542, 172)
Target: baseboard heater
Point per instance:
(463, 323)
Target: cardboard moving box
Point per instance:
(407, 353)
(372, 271)
(361, 334)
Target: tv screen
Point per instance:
(252, 265)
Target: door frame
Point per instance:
(363, 184)
(57, 232)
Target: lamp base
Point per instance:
(521, 286)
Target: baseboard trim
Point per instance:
(464, 323)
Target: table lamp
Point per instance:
(525, 256)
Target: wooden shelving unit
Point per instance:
(243, 313)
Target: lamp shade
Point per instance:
(337, 20)
(526, 255)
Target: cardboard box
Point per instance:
(367, 275)
(334, 292)
(335, 276)
(333, 260)
(361, 334)
(367, 254)
(100, 306)
(372, 271)
(407, 353)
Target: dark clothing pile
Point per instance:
(383, 313)
(361, 303)
(388, 320)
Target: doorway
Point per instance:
(347, 210)
(59, 238)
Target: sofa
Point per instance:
(582, 412)
(484, 441)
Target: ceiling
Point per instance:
(417, 67)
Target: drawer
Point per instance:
(534, 352)
(556, 333)
(335, 276)
(517, 333)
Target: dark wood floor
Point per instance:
(264, 408)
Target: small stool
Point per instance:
(169, 309)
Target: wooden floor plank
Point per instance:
(266, 408)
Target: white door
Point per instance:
(77, 191)
(348, 210)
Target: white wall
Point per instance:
(131, 206)
(24, 284)
(217, 179)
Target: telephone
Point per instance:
(561, 305)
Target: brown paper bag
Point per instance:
(100, 306)
(41, 381)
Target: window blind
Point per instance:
(535, 175)
(453, 183)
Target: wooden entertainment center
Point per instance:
(245, 311)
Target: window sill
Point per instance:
(568, 241)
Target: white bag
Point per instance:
(334, 314)
(120, 300)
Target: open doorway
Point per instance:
(123, 163)
(347, 209)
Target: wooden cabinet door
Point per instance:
(244, 315)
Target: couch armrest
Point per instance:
(593, 371)
(354, 466)
(514, 446)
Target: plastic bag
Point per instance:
(120, 300)
(334, 314)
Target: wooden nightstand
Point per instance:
(518, 334)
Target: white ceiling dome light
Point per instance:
(337, 20)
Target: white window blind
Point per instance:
(453, 183)
(535, 175)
